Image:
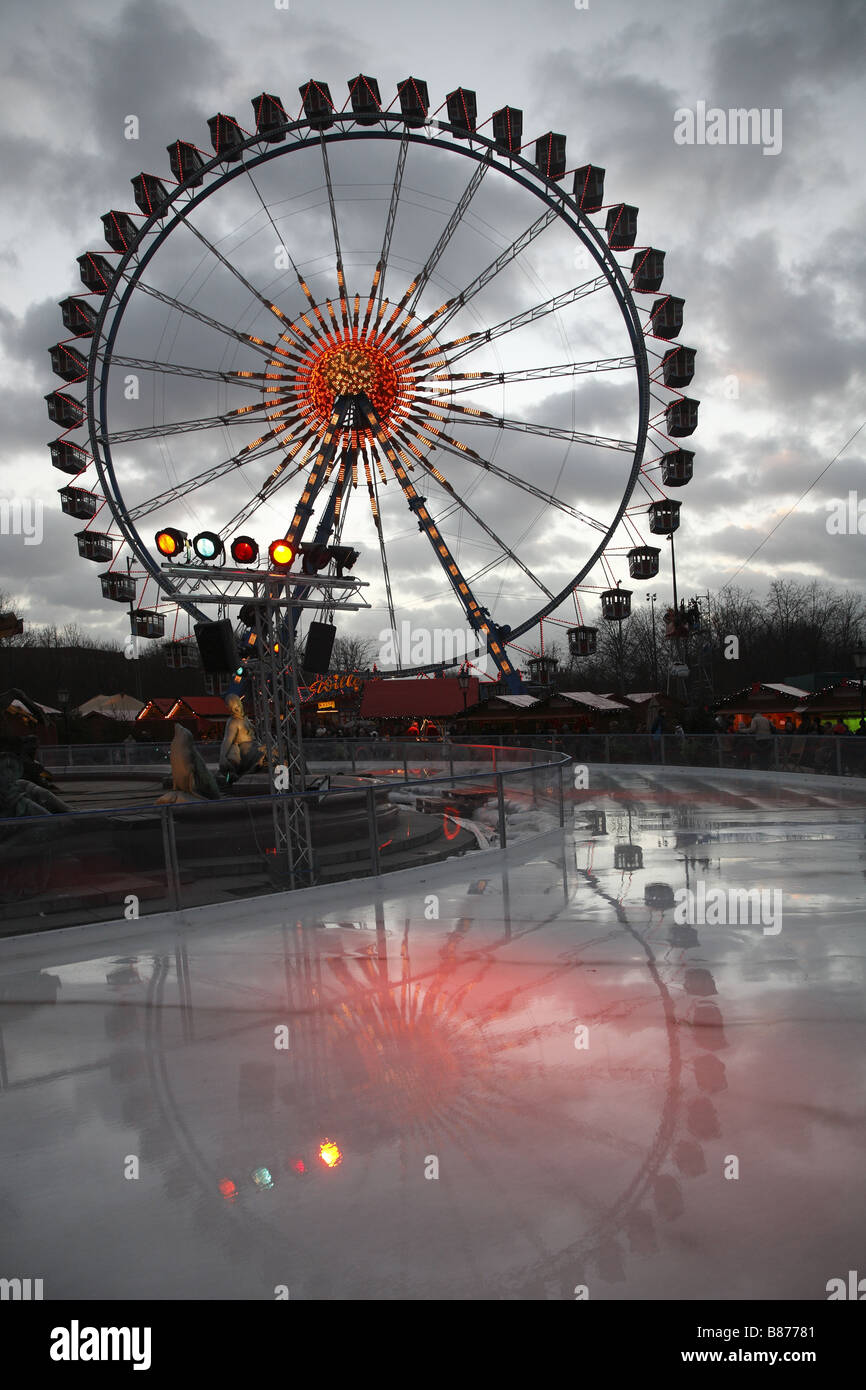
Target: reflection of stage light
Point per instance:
(449, 814)
(262, 1178)
(227, 1189)
(330, 1153)
(299, 1166)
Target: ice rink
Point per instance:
(510, 1075)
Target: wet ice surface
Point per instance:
(413, 1039)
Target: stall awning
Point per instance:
(417, 699)
(591, 701)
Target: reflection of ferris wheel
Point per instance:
(250, 372)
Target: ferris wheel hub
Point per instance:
(378, 368)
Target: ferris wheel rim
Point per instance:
(478, 147)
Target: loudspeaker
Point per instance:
(320, 644)
(217, 646)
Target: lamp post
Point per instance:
(651, 599)
(674, 572)
(859, 659)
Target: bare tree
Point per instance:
(353, 654)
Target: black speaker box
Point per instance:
(320, 644)
(217, 646)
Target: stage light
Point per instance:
(281, 554)
(245, 551)
(344, 557)
(208, 546)
(314, 557)
(170, 542)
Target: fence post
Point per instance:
(838, 742)
(721, 754)
(374, 830)
(662, 749)
(500, 798)
(775, 752)
(607, 748)
(405, 768)
(561, 797)
(169, 849)
(352, 751)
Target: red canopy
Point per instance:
(417, 699)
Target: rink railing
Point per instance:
(95, 865)
(832, 754)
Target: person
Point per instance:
(762, 732)
(656, 735)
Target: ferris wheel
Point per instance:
(383, 330)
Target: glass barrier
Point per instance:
(400, 807)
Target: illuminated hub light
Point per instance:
(330, 1153)
(244, 550)
(263, 1178)
(170, 542)
(208, 546)
(281, 554)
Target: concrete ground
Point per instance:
(503, 1076)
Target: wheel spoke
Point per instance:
(258, 344)
(327, 451)
(281, 475)
(139, 364)
(257, 294)
(243, 415)
(334, 227)
(377, 518)
(477, 617)
(474, 381)
(210, 475)
(473, 416)
(459, 347)
(462, 451)
(488, 530)
(444, 314)
(378, 288)
(416, 289)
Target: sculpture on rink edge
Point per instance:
(191, 779)
(18, 797)
(241, 751)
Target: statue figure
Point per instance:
(191, 779)
(18, 797)
(241, 751)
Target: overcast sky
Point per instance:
(766, 248)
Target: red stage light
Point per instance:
(281, 554)
(228, 1189)
(244, 550)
